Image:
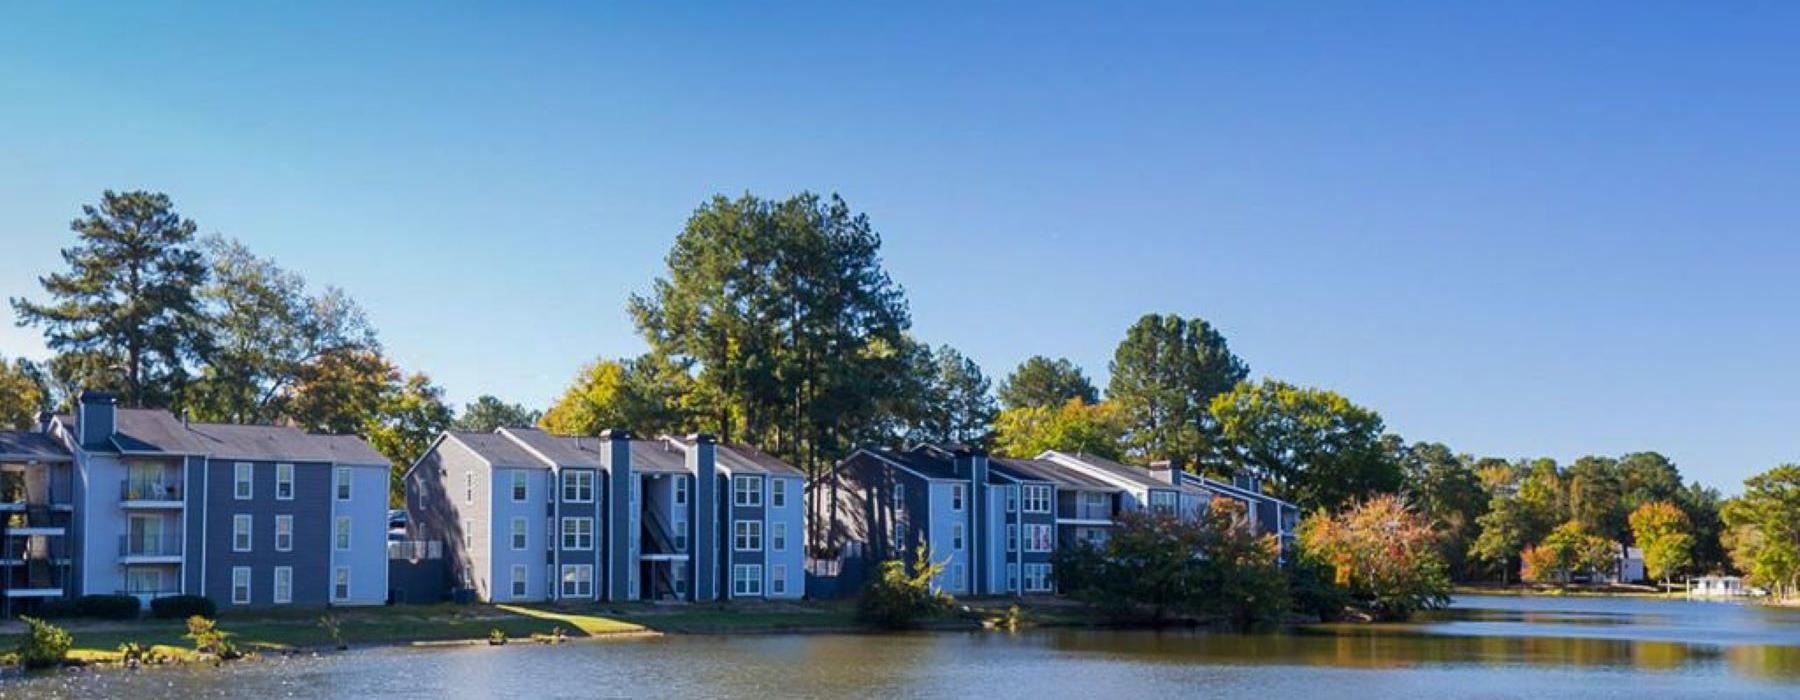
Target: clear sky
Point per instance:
(1522, 230)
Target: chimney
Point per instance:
(972, 463)
(96, 417)
(615, 458)
(44, 418)
(1167, 471)
(702, 458)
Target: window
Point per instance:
(681, 488)
(1037, 538)
(956, 577)
(1037, 578)
(778, 579)
(778, 536)
(549, 543)
(899, 496)
(746, 579)
(746, 491)
(340, 534)
(1162, 502)
(956, 497)
(956, 536)
(241, 488)
(1012, 577)
(681, 537)
(342, 485)
(578, 533)
(468, 487)
(1037, 498)
(1012, 537)
(468, 534)
(340, 583)
(747, 536)
(284, 533)
(240, 585)
(519, 490)
(240, 533)
(284, 584)
(141, 580)
(900, 536)
(518, 534)
(577, 580)
(578, 486)
(678, 577)
(1012, 499)
(778, 494)
(518, 581)
(284, 482)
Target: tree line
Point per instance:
(775, 324)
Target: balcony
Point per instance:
(141, 549)
(27, 520)
(150, 494)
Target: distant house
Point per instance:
(138, 502)
(1718, 587)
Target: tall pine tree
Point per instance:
(1165, 374)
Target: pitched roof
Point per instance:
(26, 446)
(564, 451)
(160, 432)
(150, 430)
(1136, 475)
(350, 449)
(498, 450)
(658, 456)
(1046, 470)
(743, 459)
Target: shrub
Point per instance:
(44, 644)
(1153, 565)
(896, 599)
(209, 639)
(1313, 592)
(183, 606)
(108, 607)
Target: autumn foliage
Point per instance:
(1384, 553)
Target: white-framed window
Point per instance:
(340, 583)
(956, 536)
(1163, 502)
(518, 534)
(746, 579)
(578, 486)
(577, 580)
(1037, 498)
(1096, 501)
(241, 526)
(747, 535)
(1012, 537)
(899, 496)
(778, 579)
(284, 482)
(240, 585)
(957, 580)
(900, 541)
(284, 584)
(284, 533)
(241, 486)
(746, 491)
(778, 493)
(956, 497)
(1037, 538)
(678, 578)
(341, 483)
(340, 533)
(468, 487)
(1012, 499)
(468, 529)
(1037, 578)
(681, 491)
(520, 491)
(1012, 576)
(143, 580)
(778, 536)
(550, 543)
(518, 580)
(578, 533)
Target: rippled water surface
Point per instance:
(1483, 647)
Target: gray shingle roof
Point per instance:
(1046, 470)
(564, 451)
(657, 456)
(1138, 475)
(155, 431)
(741, 458)
(23, 446)
(499, 450)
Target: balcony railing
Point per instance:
(141, 546)
(130, 490)
(34, 516)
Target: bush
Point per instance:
(209, 639)
(183, 606)
(1313, 591)
(44, 644)
(108, 607)
(1155, 565)
(896, 599)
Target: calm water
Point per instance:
(1484, 647)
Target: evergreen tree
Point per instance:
(488, 413)
(959, 408)
(1165, 375)
(1041, 382)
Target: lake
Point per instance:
(1481, 648)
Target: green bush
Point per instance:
(44, 644)
(209, 639)
(183, 606)
(108, 607)
(896, 599)
(1314, 593)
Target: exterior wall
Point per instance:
(501, 555)
(857, 515)
(735, 557)
(312, 533)
(99, 523)
(942, 521)
(436, 510)
(613, 581)
(591, 557)
(367, 556)
(792, 557)
(995, 535)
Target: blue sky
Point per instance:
(1521, 230)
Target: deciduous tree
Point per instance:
(1319, 449)
(1661, 529)
(1073, 426)
(1383, 551)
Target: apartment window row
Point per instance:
(281, 588)
(746, 579)
(1037, 498)
(243, 486)
(1038, 538)
(578, 486)
(1164, 502)
(577, 533)
(1037, 578)
(747, 535)
(746, 491)
(577, 580)
(243, 527)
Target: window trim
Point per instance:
(249, 533)
(777, 493)
(248, 582)
(275, 582)
(959, 498)
(753, 577)
(243, 481)
(743, 539)
(778, 579)
(681, 491)
(468, 487)
(519, 584)
(520, 535)
(564, 580)
(337, 573)
(742, 497)
(1012, 537)
(341, 489)
(777, 537)
(565, 534)
(572, 480)
(1038, 498)
(284, 476)
(959, 537)
(288, 521)
(342, 539)
(520, 489)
